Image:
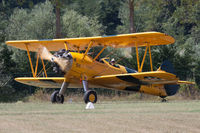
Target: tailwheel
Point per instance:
(56, 97)
(90, 96)
(164, 100)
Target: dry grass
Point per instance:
(112, 117)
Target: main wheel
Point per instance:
(90, 96)
(56, 97)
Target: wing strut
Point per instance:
(148, 47)
(34, 72)
(143, 59)
(36, 67)
(89, 46)
(29, 57)
(138, 60)
(66, 46)
(99, 53)
(150, 57)
(44, 67)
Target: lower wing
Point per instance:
(49, 82)
(159, 83)
(143, 78)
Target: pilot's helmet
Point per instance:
(113, 60)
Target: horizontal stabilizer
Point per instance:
(186, 82)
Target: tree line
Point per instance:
(38, 19)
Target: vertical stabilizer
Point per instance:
(168, 67)
(171, 89)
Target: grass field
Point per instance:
(111, 117)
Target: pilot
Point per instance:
(112, 62)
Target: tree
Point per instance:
(131, 16)
(25, 24)
(6, 62)
(6, 69)
(105, 11)
(108, 15)
(76, 25)
(58, 28)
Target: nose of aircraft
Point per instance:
(62, 59)
(65, 61)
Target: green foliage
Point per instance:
(6, 91)
(2, 27)
(37, 23)
(108, 15)
(197, 73)
(76, 25)
(105, 11)
(6, 62)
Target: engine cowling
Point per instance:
(64, 55)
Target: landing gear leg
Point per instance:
(58, 96)
(89, 95)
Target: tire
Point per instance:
(90, 96)
(163, 100)
(56, 98)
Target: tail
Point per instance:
(171, 89)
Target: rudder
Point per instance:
(171, 89)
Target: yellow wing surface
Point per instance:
(49, 82)
(116, 41)
(143, 78)
(118, 81)
(110, 81)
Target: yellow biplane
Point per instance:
(80, 70)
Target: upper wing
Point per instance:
(116, 41)
(132, 79)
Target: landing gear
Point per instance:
(163, 99)
(89, 95)
(57, 98)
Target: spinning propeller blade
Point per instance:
(46, 55)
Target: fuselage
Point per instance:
(85, 67)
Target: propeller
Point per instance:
(63, 63)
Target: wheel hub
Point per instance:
(91, 97)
